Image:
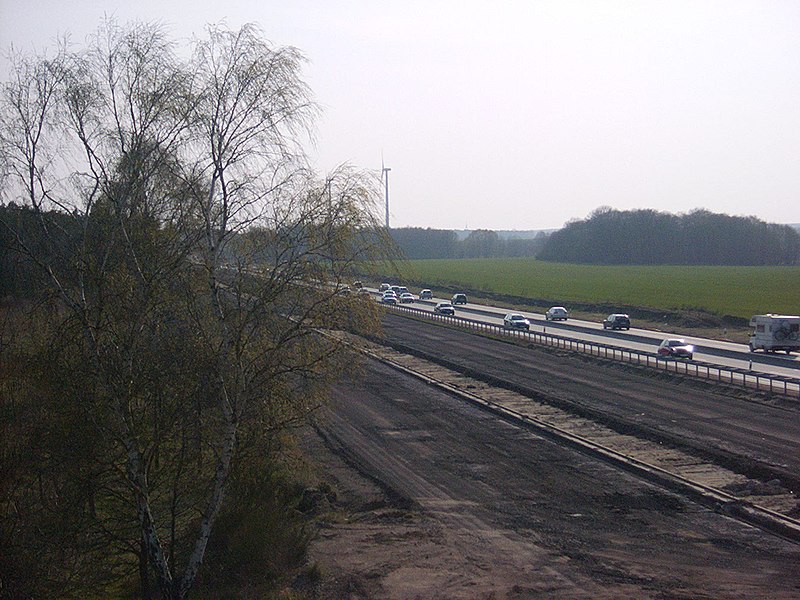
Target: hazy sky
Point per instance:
(524, 114)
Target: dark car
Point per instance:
(677, 348)
(556, 313)
(617, 321)
(516, 321)
(459, 299)
(444, 308)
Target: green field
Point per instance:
(735, 291)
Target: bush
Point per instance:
(260, 536)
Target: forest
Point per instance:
(649, 237)
(615, 237)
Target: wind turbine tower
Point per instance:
(385, 176)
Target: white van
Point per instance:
(775, 332)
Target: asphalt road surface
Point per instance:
(715, 351)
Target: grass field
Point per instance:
(734, 291)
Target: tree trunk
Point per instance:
(214, 504)
(144, 579)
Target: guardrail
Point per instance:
(747, 378)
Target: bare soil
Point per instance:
(437, 499)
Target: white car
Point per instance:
(426, 294)
(556, 313)
(406, 298)
(516, 321)
(444, 308)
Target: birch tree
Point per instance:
(202, 256)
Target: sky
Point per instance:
(513, 114)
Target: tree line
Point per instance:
(159, 336)
(419, 243)
(649, 237)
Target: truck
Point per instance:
(772, 333)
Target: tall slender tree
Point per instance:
(202, 259)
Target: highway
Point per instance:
(475, 504)
(668, 407)
(714, 351)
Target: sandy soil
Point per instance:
(436, 499)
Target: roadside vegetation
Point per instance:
(162, 244)
(718, 291)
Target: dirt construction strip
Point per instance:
(701, 480)
(439, 499)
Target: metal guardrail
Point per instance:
(747, 378)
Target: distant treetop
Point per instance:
(649, 237)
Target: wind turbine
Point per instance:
(385, 172)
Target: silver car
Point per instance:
(516, 321)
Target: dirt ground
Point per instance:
(433, 498)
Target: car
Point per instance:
(459, 299)
(399, 289)
(677, 348)
(406, 298)
(617, 321)
(362, 291)
(444, 308)
(389, 293)
(384, 287)
(358, 285)
(425, 295)
(389, 299)
(556, 313)
(516, 321)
